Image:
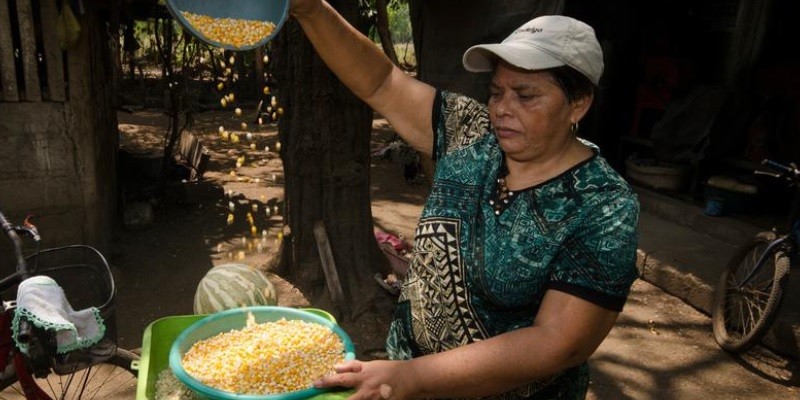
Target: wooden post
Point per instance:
(27, 34)
(8, 75)
(52, 51)
(329, 265)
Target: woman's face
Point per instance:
(530, 113)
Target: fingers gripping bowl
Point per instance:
(236, 319)
(233, 25)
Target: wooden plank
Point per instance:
(52, 51)
(185, 145)
(193, 155)
(328, 265)
(8, 75)
(201, 165)
(27, 34)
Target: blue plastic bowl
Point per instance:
(236, 319)
(275, 11)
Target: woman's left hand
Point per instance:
(373, 380)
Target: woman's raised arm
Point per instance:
(404, 101)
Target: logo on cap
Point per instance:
(531, 29)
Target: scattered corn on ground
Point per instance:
(235, 32)
(268, 358)
(168, 387)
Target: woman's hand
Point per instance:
(373, 380)
(301, 8)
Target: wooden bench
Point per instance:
(193, 156)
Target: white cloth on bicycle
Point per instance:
(42, 302)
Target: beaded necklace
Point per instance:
(503, 197)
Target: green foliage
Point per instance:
(144, 32)
(399, 22)
(399, 28)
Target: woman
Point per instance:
(525, 251)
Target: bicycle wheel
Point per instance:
(744, 308)
(113, 379)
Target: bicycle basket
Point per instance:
(84, 275)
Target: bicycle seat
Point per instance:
(274, 11)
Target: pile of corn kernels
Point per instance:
(268, 358)
(231, 31)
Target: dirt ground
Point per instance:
(660, 348)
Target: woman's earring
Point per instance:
(573, 128)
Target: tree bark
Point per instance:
(382, 24)
(325, 137)
(92, 129)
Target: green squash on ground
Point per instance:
(229, 286)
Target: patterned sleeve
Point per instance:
(598, 263)
(458, 121)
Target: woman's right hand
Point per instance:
(300, 8)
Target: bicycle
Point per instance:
(42, 372)
(750, 291)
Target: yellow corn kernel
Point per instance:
(231, 31)
(269, 358)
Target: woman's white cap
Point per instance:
(543, 42)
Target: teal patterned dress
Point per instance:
(479, 270)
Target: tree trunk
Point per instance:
(325, 137)
(382, 24)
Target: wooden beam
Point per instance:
(27, 34)
(8, 74)
(52, 51)
(329, 265)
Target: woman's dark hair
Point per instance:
(574, 84)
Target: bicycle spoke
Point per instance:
(18, 395)
(106, 379)
(732, 312)
(96, 382)
(82, 378)
(53, 392)
(752, 303)
(743, 309)
(749, 289)
(85, 381)
(754, 313)
(66, 389)
(739, 315)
